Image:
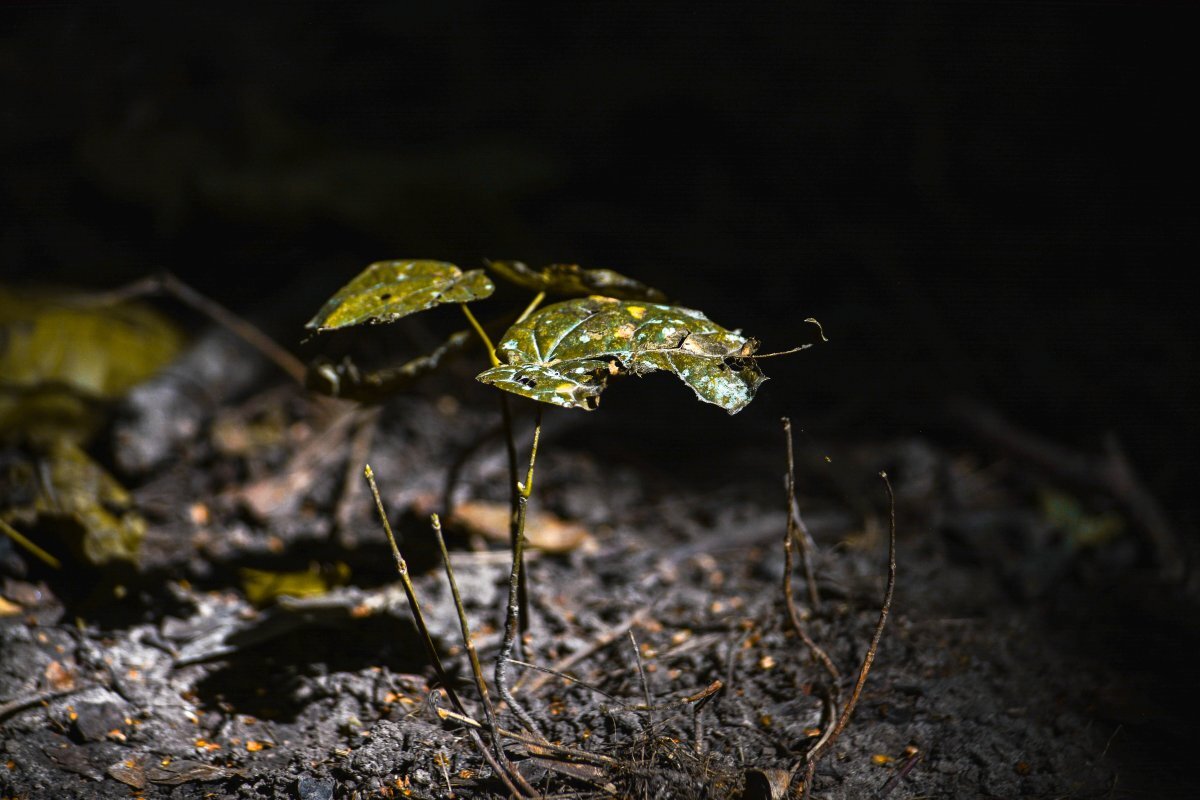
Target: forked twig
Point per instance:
(793, 535)
(411, 593)
(828, 739)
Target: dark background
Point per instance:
(982, 200)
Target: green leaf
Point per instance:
(565, 353)
(389, 290)
(574, 280)
(262, 586)
(61, 359)
(71, 487)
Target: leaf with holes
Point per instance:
(565, 353)
(572, 279)
(389, 290)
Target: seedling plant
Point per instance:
(563, 354)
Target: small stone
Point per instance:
(310, 788)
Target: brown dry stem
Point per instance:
(830, 737)
(793, 536)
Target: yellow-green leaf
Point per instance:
(74, 488)
(262, 586)
(565, 353)
(60, 358)
(574, 280)
(389, 290)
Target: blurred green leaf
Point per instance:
(70, 487)
(1067, 514)
(565, 353)
(574, 280)
(264, 586)
(389, 290)
(60, 357)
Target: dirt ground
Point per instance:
(1022, 658)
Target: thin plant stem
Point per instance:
(411, 593)
(489, 711)
(472, 655)
(487, 341)
(514, 490)
(514, 526)
(512, 617)
(533, 304)
(503, 771)
(606, 637)
(509, 441)
(637, 657)
(20, 539)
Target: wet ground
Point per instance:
(1023, 657)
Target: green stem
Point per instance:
(527, 488)
(411, 593)
(20, 539)
(487, 341)
(533, 304)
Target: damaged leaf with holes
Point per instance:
(565, 353)
(388, 290)
(573, 280)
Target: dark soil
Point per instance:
(1019, 659)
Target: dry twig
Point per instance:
(792, 535)
(828, 739)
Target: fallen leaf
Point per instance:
(129, 772)
(58, 677)
(184, 771)
(543, 530)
